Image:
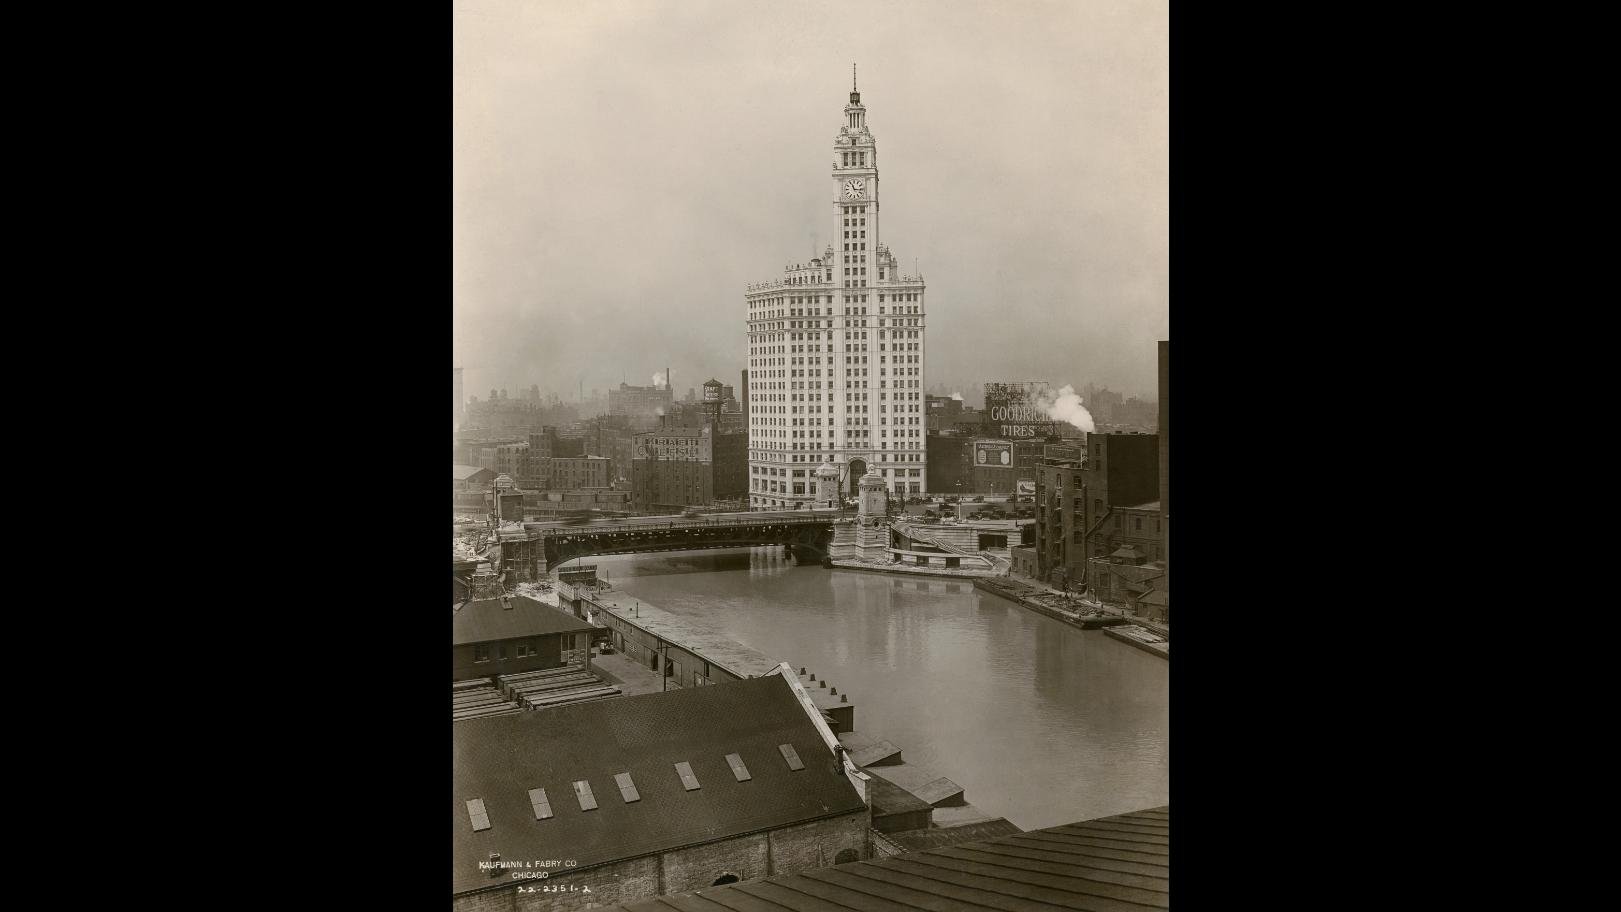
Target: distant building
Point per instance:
(643, 795)
(677, 467)
(941, 413)
(501, 416)
(510, 459)
(514, 634)
(1081, 491)
(472, 478)
(951, 463)
(459, 402)
(482, 451)
(575, 472)
(640, 401)
(569, 446)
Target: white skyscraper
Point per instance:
(836, 352)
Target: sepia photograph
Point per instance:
(811, 455)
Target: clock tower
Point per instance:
(855, 185)
(836, 353)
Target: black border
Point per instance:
(357, 144)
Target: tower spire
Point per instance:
(853, 77)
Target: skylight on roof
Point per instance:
(684, 770)
(738, 769)
(627, 788)
(543, 807)
(792, 756)
(476, 813)
(582, 791)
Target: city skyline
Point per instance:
(615, 188)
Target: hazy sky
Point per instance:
(624, 169)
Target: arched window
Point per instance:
(846, 856)
(727, 878)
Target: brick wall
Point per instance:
(748, 857)
(550, 647)
(816, 845)
(494, 901)
(627, 881)
(785, 851)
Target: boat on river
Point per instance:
(1142, 638)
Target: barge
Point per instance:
(1142, 638)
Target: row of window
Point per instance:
(764, 456)
(805, 473)
(520, 651)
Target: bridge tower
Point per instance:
(827, 485)
(874, 499)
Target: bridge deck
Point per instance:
(708, 520)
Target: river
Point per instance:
(1039, 722)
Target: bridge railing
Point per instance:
(693, 523)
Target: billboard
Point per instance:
(1010, 411)
(676, 447)
(993, 454)
(1027, 488)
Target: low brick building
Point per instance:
(471, 479)
(636, 797)
(575, 472)
(1024, 560)
(513, 634)
(676, 467)
(1092, 499)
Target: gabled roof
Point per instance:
(488, 620)
(464, 472)
(499, 760)
(1113, 864)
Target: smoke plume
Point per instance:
(1064, 405)
(957, 396)
(660, 378)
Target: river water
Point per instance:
(1039, 722)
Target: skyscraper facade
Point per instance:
(836, 351)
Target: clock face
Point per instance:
(855, 188)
